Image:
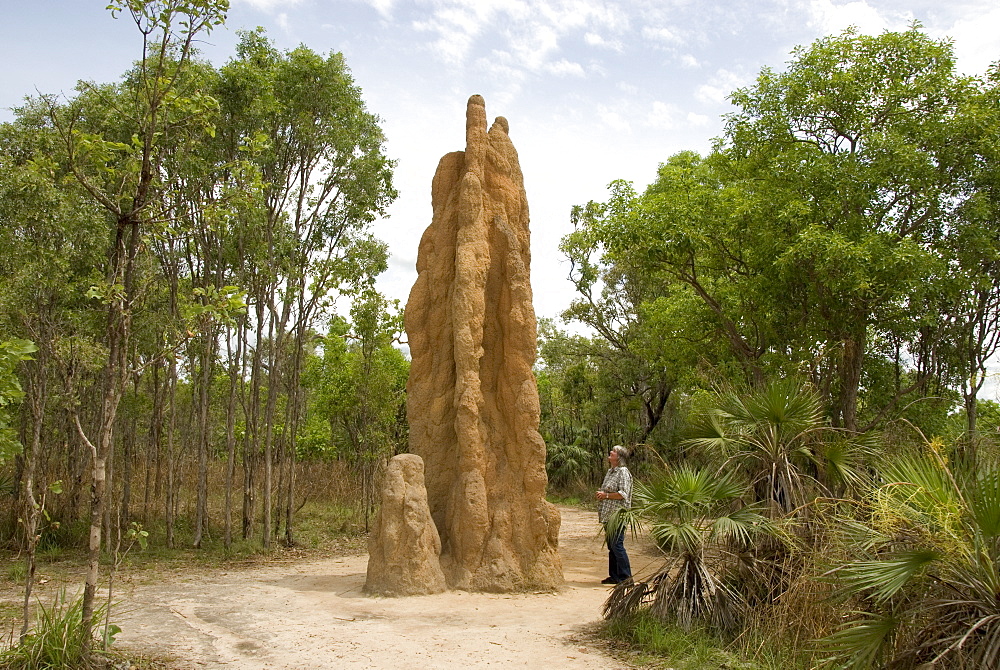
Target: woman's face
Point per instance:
(613, 458)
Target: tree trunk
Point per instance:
(204, 388)
(169, 502)
(292, 424)
(151, 487)
(272, 398)
(850, 380)
(252, 442)
(127, 456)
(116, 374)
(234, 359)
(32, 510)
(971, 407)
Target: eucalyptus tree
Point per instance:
(45, 268)
(688, 227)
(325, 179)
(616, 301)
(12, 353)
(213, 192)
(113, 139)
(570, 398)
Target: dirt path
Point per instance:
(313, 615)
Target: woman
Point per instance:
(615, 494)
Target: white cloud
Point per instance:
(613, 119)
(531, 30)
(697, 120)
(662, 34)
(595, 40)
(383, 7)
(282, 21)
(663, 115)
(269, 5)
(828, 16)
(719, 86)
(689, 61)
(506, 79)
(977, 44)
(564, 67)
(456, 28)
(534, 47)
(711, 95)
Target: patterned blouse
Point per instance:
(618, 480)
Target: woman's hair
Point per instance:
(622, 454)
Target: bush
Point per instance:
(926, 575)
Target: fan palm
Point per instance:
(567, 464)
(697, 519)
(773, 433)
(929, 581)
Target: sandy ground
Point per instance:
(314, 615)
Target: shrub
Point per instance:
(927, 581)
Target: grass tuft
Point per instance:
(660, 644)
(57, 640)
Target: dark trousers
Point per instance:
(618, 566)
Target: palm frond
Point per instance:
(844, 459)
(768, 433)
(939, 585)
(860, 643)
(676, 537)
(710, 434)
(886, 577)
(986, 504)
(624, 520)
(741, 526)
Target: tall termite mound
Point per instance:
(472, 401)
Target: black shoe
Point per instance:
(608, 580)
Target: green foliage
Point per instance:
(778, 436)
(167, 15)
(57, 640)
(927, 576)
(16, 572)
(567, 465)
(361, 380)
(360, 387)
(838, 230)
(591, 397)
(12, 353)
(136, 534)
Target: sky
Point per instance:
(594, 90)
